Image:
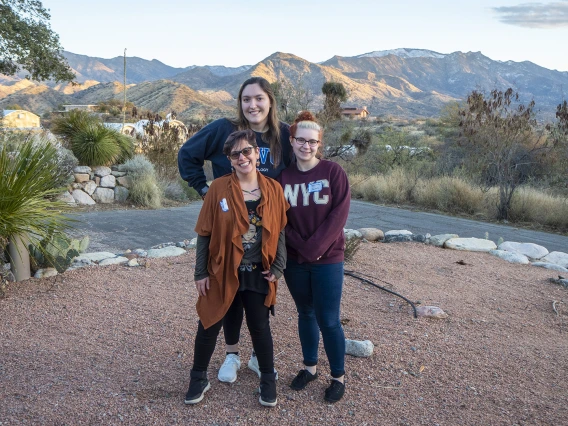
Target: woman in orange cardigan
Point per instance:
(241, 254)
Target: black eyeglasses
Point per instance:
(302, 141)
(245, 151)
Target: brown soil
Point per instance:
(113, 345)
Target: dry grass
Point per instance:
(456, 195)
(531, 205)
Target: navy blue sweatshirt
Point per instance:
(207, 144)
(319, 204)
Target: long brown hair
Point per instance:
(272, 135)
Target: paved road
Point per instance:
(117, 230)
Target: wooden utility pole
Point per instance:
(124, 90)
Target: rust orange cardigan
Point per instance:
(225, 219)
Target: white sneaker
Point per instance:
(228, 371)
(253, 365)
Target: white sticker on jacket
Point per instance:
(315, 186)
(224, 205)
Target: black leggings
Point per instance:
(232, 322)
(259, 327)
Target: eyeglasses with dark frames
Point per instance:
(245, 151)
(301, 141)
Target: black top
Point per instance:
(207, 144)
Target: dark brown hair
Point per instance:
(235, 137)
(272, 135)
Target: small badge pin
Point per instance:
(224, 205)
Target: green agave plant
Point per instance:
(27, 184)
(95, 145)
(91, 142)
(68, 125)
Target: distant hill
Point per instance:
(404, 82)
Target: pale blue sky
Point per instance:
(237, 32)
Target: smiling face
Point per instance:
(244, 164)
(306, 153)
(255, 104)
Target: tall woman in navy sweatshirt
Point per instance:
(257, 111)
(319, 197)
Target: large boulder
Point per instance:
(81, 177)
(89, 187)
(530, 250)
(82, 169)
(103, 195)
(166, 252)
(108, 181)
(510, 256)
(102, 171)
(66, 197)
(81, 197)
(372, 234)
(557, 257)
(352, 233)
(113, 261)
(120, 194)
(470, 244)
(551, 266)
(439, 240)
(123, 181)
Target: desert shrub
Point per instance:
(172, 190)
(531, 205)
(67, 125)
(126, 145)
(95, 145)
(352, 245)
(160, 144)
(29, 182)
(191, 194)
(91, 142)
(144, 189)
(450, 194)
(396, 187)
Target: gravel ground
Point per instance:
(114, 345)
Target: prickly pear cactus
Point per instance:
(56, 252)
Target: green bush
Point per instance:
(91, 142)
(68, 125)
(144, 189)
(29, 182)
(95, 145)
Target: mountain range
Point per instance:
(407, 83)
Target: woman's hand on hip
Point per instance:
(269, 276)
(202, 286)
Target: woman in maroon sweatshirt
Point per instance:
(319, 197)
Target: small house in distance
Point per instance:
(67, 108)
(354, 112)
(20, 119)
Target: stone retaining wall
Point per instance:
(98, 185)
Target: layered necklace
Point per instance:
(252, 193)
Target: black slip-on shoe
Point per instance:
(302, 379)
(334, 392)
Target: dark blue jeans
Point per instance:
(316, 290)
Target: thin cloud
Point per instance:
(535, 15)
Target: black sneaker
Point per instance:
(198, 385)
(335, 391)
(302, 379)
(267, 390)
